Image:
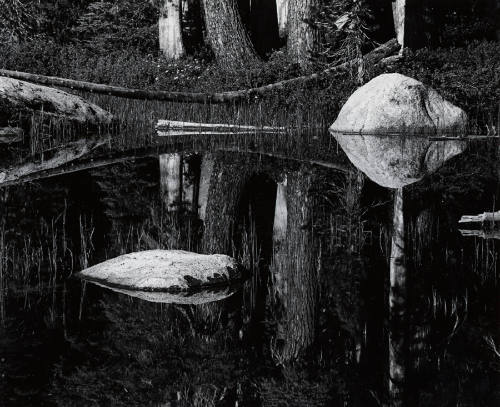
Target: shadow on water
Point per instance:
(314, 325)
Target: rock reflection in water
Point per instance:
(186, 298)
(314, 326)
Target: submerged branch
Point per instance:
(372, 58)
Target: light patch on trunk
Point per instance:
(282, 8)
(170, 30)
(399, 12)
(207, 168)
(170, 180)
(280, 213)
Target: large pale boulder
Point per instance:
(393, 117)
(165, 270)
(19, 97)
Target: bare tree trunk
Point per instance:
(411, 30)
(397, 304)
(171, 180)
(282, 9)
(280, 214)
(294, 272)
(302, 37)
(226, 34)
(170, 30)
(398, 13)
(207, 168)
(227, 181)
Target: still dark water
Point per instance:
(310, 327)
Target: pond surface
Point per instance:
(311, 326)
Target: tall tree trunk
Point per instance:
(227, 181)
(294, 271)
(302, 37)
(409, 23)
(397, 304)
(207, 168)
(282, 11)
(170, 30)
(226, 33)
(171, 180)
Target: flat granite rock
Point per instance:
(165, 270)
(19, 96)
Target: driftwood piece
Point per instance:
(60, 157)
(486, 217)
(165, 127)
(171, 128)
(372, 58)
(10, 135)
(483, 234)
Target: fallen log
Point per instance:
(486, 217)
(483, 234)
(60, 157)
(374, 57)
(172, 127)
(10, 135)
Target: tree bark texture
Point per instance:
(226, 34)
(397, 304)
(282, 11)
(171, 180)
(228, 178)
(170, 30)
(294, 272)
(302, 37)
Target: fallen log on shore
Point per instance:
(374, 57)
